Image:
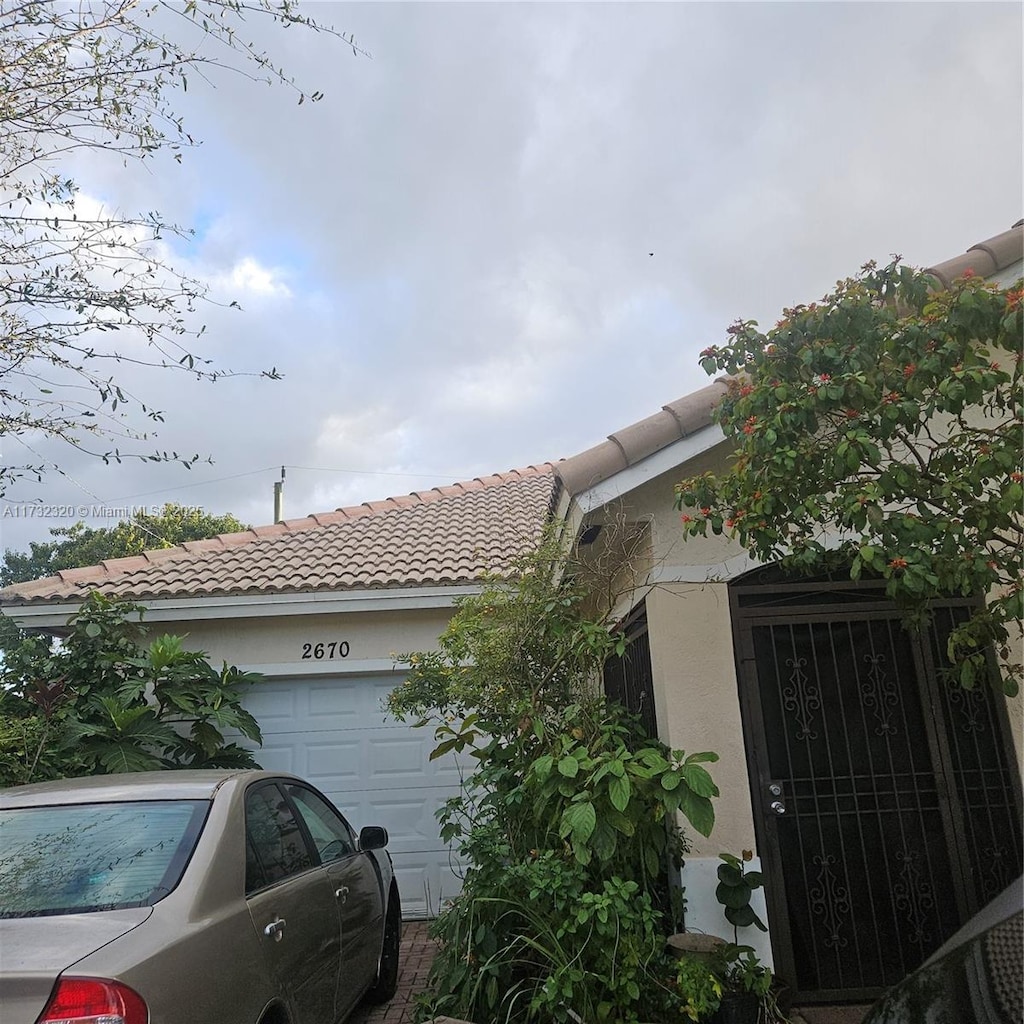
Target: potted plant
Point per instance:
(748, 986)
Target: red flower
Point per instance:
(898, 563)
(705, 511)
(909, 370)
(750, 425)
(1017, 478)
(686, 519)
(969, 272)
(747, 389)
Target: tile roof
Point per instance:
(444, 536)
(692, 412)
(628, 446)
(986, 258)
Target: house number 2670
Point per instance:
(322, 650)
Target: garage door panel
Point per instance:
(337, 761)
(395, 758)
(270, 704)
(334, 704)
(276, 758)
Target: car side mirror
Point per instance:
(373, 837)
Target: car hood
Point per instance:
(35, 950)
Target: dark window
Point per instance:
(86, 857)
(277, 847)
(331, 834)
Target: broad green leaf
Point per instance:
(542, 766)
(579, 820)
(698, 811)
(734, 896)
(699, 780)
(619, 792)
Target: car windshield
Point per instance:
(86, 857)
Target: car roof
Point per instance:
(165, 785)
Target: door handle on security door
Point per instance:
(275, 929)
(341, 895)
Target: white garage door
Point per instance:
(333, 732)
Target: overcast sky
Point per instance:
(448, 257)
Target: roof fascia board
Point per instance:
(717, 573)
(668, 458)
(1008, 275)
(47, 616)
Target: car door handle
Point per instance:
(341, 894)
(275, 929)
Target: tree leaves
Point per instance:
(880, 429)
(101, 78)
(80, 545)
(121, 707)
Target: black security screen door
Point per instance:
(887, 798)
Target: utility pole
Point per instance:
(279, 499)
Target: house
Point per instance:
(321, 605)
(883, 807)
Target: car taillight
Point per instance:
(93, 1001)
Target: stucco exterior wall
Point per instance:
(277, 645)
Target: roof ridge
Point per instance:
(110, 568)
(637, 441)
(984, 258)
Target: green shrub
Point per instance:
(104, 700)
(567, 821)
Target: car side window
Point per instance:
(275, 846)
(331, 834)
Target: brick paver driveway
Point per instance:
(417, 953)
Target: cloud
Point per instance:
(248, 278)
(447, 257)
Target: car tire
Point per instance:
(386, 984)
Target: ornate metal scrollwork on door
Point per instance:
(913, 895)
(880, 694)
(830, 901)
(999, 872)
(801, 697)
(970, 704)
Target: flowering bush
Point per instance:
(881, 429)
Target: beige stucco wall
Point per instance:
(690, 631)
(275, 645)
(697, 702)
